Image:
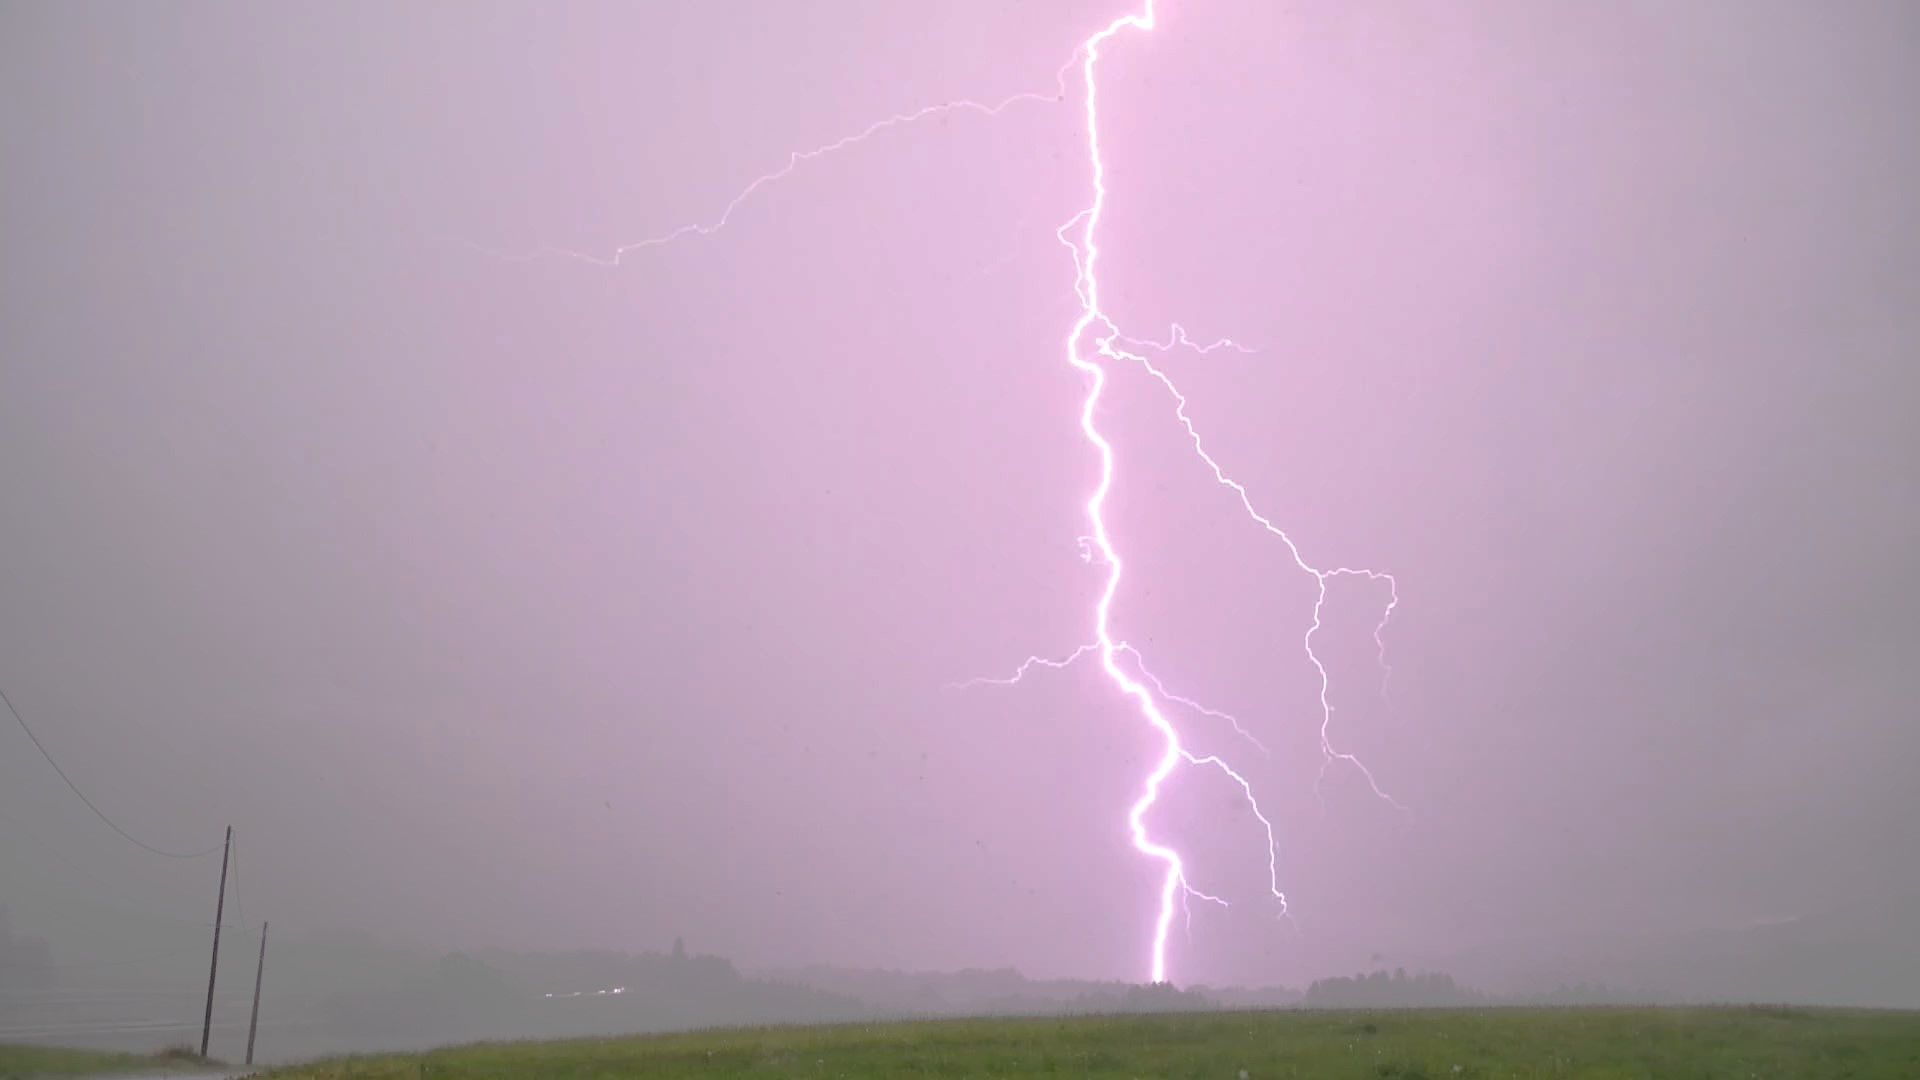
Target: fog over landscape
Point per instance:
(549, 625)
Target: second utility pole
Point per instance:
(219, 912)
(253, 1022)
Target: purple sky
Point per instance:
(547, 604)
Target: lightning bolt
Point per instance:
(1094, 341)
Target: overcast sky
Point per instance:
(541, 603)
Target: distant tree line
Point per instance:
(1399, 990)
(1380, 990)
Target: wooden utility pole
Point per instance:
(219, 912)
(253, 1022)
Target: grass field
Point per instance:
(1616, 1044)
(19, 1062)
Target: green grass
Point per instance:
(18, 1062)
(1614, 1044)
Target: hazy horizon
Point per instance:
(539, 604)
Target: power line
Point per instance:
(239, 913)
(75, 788)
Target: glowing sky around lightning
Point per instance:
(1093, 343)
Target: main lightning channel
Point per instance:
(1106, 343)
(1086, 253)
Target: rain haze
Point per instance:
(505, 596)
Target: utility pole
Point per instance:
(219, 912)
(253, 1022)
